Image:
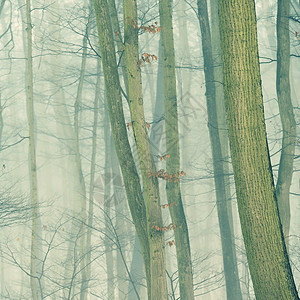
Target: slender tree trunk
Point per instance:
(110, 262)
(118, 38)
(158, 128)
(266, 252)
(156, 133)
(35, 236)
(185, 78)
(85, 283)
(146, 162)
(233, 289)
(136, 270)
(78, 107)
(120, 49)
(119, 132)
(184, 83)
(183, 251)
(287, 117)
(120, 226)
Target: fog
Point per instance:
(65, 221)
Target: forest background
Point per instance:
(114, 172)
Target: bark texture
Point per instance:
(266, 252)
(183, 251)
(123, 150)
(146, 161)
(233, 289)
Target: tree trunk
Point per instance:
(119, 132)
(36, 230)
(233, 289)
(90, 217)
(155, 141)
(118, 38)
(110, 262)
(287, 117)
(183, 251)
(146, 162)
(120, 226)
(266, 252)
(77, 108)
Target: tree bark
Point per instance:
(118, 39)
(146, 162)
(123, 150)
(266, 252)
(233, 289)
(183, 251)
(35, 282)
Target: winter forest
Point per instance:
(149, 149)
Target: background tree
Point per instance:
(288, 122)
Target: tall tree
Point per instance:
(145, 157)
(183, 250)
(77, 114)
(35, 282)
(90, 217)
(233, 288)
(266, 252)
(287, 117)
(155, 141)
(119, 132)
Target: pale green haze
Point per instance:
(149, 149)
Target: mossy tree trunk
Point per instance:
(145, 157)
(266, 252)
(119, 131)
(287, 117)
(183, 251)
(233, 289)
